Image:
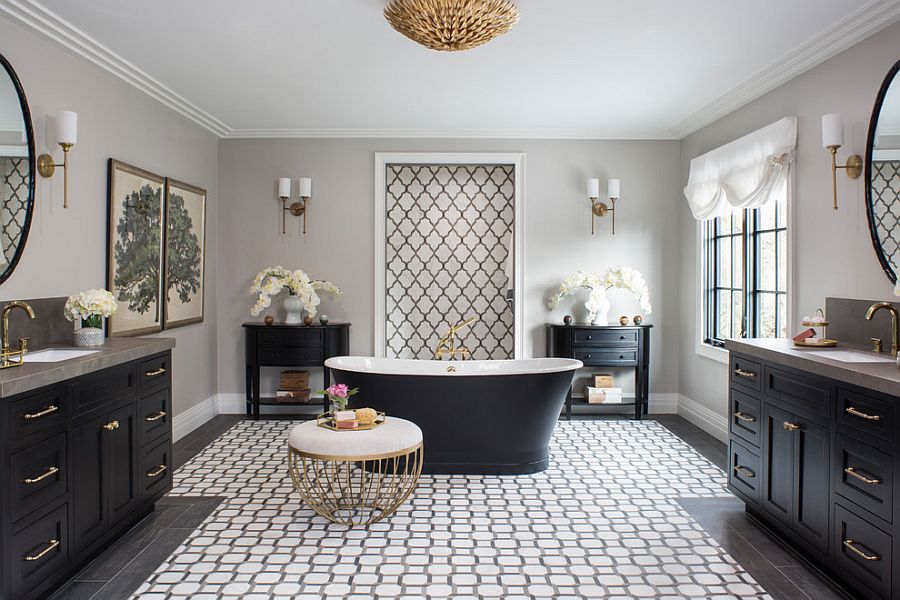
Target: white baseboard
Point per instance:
(664, 404)
(231, 404)
(708, 420)
(194, 417)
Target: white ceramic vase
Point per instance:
(600, 316)
(88, 337)
(293, 310)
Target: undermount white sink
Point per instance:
(52, 355)
(854, 356)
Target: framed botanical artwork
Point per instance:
(184, 254)
(134, 266)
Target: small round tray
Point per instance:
(814, 324)
(326, 421)
(819, 344)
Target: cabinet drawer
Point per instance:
(606, 357)
(604, 337)
(746, 372)
(863, 551)
(38, 476)
(291, 356)
(743, 470)
(745, 416)
(38, 554)
(156, 470)
(863, 414)
(43, 412)
(805, 392)
(290, 338)
(155, 373)
(155, 416)
(864, 475)
(96, 391)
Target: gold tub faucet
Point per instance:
(13, 358)
(447, 345)
(895, 322)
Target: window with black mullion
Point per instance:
(726, 283)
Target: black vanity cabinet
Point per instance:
(83, 460)
(812, 458)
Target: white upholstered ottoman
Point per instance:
(355, 477)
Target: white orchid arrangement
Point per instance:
(90, 306)
(274, 280)
(624, 278)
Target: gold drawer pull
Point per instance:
(157, 471)
(743, 373)
(156, 373)
(853, 472)
(744, 417)
(852, 546)
(43, 413)
(51, 545)
(51, 471)
(156, 417)
(850, 410)
(791, 426)
(744, 471)
(111, 426)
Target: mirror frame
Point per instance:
(893, 74)
(29, 131)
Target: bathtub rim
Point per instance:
(557, 365)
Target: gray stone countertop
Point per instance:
(882, 376)
(115, 351)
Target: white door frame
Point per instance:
(382, 160)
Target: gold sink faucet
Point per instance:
(895, 322)
(447, 345)
(13, 358)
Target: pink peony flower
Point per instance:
(339, 390)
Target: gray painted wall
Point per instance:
(833, 254)
(66, 249)
(340, 238)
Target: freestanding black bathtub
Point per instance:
(478, 417)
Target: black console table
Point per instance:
(290, 346)
(606, 346)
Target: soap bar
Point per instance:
(347, 424)
(805, 335)
(344, 415)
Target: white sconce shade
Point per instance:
(614, 186)
(284, 187)
(593, 188)
(832, 130)
(305, 187)
(67, 127)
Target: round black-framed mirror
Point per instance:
(17, 169)
(883, 174)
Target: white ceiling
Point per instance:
(571, 68)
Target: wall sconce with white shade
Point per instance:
(832, 139)
(66, 136)
(297, 209)
(601, 209)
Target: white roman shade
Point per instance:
(746, 173)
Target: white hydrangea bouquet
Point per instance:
(597, 305)
(90, 307)
(301, 291)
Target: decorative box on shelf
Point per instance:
(606, 395)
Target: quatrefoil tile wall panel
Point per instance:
(13, 196)
(448, 232)
(886, 207)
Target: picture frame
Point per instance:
(184, 254)
(134, 242)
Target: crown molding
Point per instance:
(468, 134)
(52, 26)
(866, 21)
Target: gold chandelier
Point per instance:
(452, 25)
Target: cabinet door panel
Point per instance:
(88, 501)
(778, 458)
(121, 456)
(812, 483)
